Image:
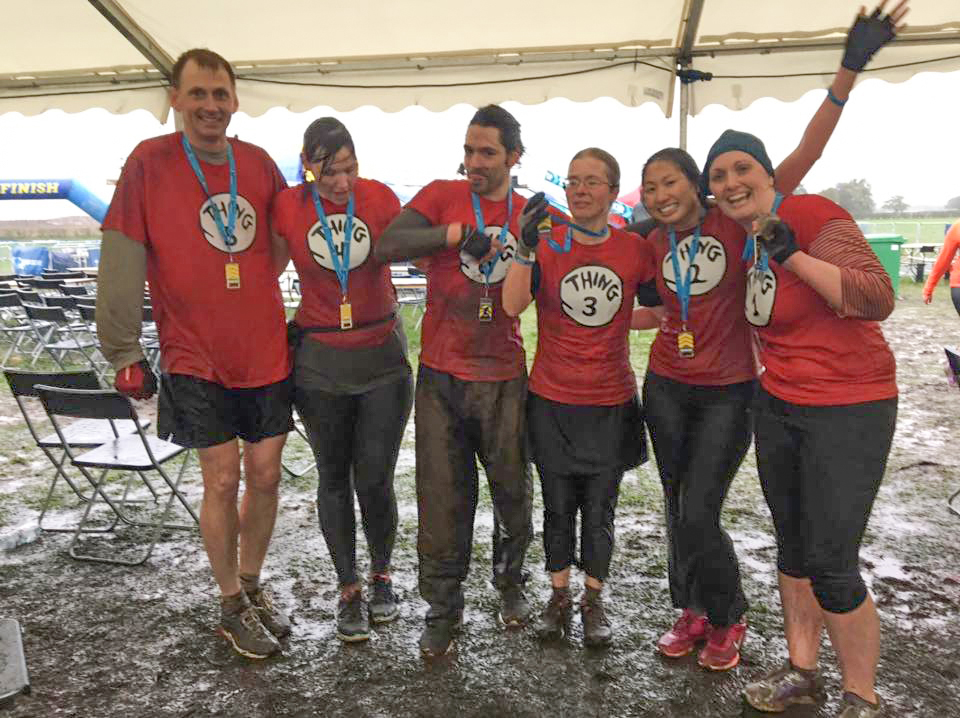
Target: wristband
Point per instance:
(834, 99)
(523, 261)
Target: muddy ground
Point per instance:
(105, 641)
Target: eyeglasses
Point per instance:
(589, 183)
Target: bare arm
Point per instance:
(411, 236)
(280, 252)
(123, 271)
(516, 289)
(646, 317)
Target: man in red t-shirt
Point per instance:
(190, 214)
(471, 385)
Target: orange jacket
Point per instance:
(951, 243)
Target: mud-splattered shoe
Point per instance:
(554, 620)
(689, 630)
(514, 609)
(240, 624)
(722, 651)
(384, 604)
(437, 637)
(853, 706)
(597, 631)
(353, 622)
(272, 618)
(782, 688)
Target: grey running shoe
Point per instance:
(782, 688)
(514, 609)
(554, 620)
(384, 604)
(853, 706)
(272, 618)
(246, 633)
(353, 623)
(437, 637)
(597, 631)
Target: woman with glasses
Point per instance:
(583, 416)
(353, 387)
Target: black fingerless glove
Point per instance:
(866, 36)
(474, 243)
(534, 212)
(776, 238)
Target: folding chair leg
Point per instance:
(951, 500)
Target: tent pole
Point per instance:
(684, 112)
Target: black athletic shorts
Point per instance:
(199, 414)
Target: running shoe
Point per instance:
(722, 651)
(782, 688)
(689, 630)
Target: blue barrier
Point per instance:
(70, 190)
(28, 259)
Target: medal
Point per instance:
(683, 282)
(346, 315)
(485, 310)
(232, 272)
(685, 344)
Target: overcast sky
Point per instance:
(902, 138)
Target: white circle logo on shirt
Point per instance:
(591, 295)
(245, 229)
(761, 291)
(471, 267)
(359, 249)
(708, 269)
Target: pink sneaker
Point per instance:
(722, 651)
(686, 632)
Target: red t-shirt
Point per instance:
(809, 355)
(369, 287)
(722, 340)
(206, 330)
(584, 306)
(453, 339)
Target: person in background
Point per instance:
(946, 260)
(190, 215)
(352, 383)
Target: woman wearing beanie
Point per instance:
(353, 387)
(700, 378)
(824, 414)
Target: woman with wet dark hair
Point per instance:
(583, 416)
(353, 387)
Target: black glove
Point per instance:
(776, 238)
(534, 212)
(474, 243)
(867, 35)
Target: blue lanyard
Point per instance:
(763, 261)
(486, 269)
(568, 237)
(340, 266)
(683, 285)
(225, 232)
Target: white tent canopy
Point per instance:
(117, 54)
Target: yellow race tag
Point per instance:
(232, 271)
(685, 344)
(485, 311)
(346, 316)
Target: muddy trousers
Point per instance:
(459, 422)
(356, 439)
(700, 435)
(820, 469)
(594, 496)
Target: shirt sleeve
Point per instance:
(119, 313)
(866, 287)
(127, 212)
(950, 244)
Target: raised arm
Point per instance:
(411, 236)
(866, 36)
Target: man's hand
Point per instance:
(474, 243)
(775, 237)
(136, 381)
(534, 212)
(871, 32)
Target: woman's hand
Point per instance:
(871, 32)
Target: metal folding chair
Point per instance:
(13, 666)
(15, 327)
(953, 361)
(136, 453)
(84, 434)
(61, 337)
(298, 470)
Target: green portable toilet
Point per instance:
(887, 249)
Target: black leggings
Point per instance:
(700, 435)
(820, 469)
(955, 296)
(356, 439)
